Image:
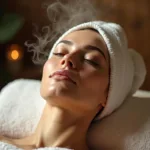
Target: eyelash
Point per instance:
(58, 54)
(87, 60)
(93, 63)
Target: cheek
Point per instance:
(95, 80)
(100, 83)
(93, 89)
(48, 68)
(94, 86)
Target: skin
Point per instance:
(70, 108)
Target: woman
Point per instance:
(81, 82)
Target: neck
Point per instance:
(60, 128)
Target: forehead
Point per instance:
(87, 37)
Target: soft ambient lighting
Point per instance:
(15, 54)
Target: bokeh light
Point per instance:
(14, 52)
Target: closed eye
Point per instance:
(91, 62)
(58, 54)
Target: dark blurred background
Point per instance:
(17, 18)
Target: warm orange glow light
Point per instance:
(14, 54)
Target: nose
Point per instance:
(68, 61)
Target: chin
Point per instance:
(57, 93)
(63, 99)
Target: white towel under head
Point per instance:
(127, 68)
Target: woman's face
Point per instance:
(76, 77)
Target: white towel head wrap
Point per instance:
(127, 68)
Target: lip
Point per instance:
(64, 74)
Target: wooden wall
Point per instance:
(133, 15)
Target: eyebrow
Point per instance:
(87, 47)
